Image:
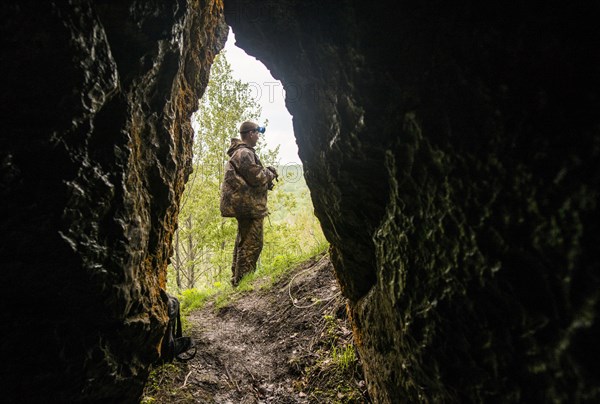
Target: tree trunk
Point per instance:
(191, 256)
(177, 264)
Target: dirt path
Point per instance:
(281, 345)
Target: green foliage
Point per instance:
(192, 299)
(204, 237)
(160, 384)
(203, 244)
(222, 293)
(334, 375)
(344, 356)
(342, 349)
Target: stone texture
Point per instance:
(95, 149)
(451, 150)
(452, 155)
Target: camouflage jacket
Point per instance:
(244, 189)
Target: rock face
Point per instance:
(452, 152)
(95, 149)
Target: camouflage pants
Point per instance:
(248, 245)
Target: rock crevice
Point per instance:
(452, 156)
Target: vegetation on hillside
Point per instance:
(203, 244)
(279, 342)
(289, 343)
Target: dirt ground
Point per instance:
(288, 344)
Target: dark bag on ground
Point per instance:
(174, 344)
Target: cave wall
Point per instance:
(452, 153)
(95, 148)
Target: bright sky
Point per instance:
(270, 94)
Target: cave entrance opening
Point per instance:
(240, 88)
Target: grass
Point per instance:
(161, 384)
(265, 276)
(344, 356)
(342, 350)
(330, 373)
(335, 374)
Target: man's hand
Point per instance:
(274, 171)
(270, 185)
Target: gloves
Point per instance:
(270, 185)
(274, 171)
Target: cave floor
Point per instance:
(289, 343)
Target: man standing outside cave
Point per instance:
(244, 196)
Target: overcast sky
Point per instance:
(270, 94)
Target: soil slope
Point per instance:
(290, 343)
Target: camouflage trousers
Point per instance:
(248, 245)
